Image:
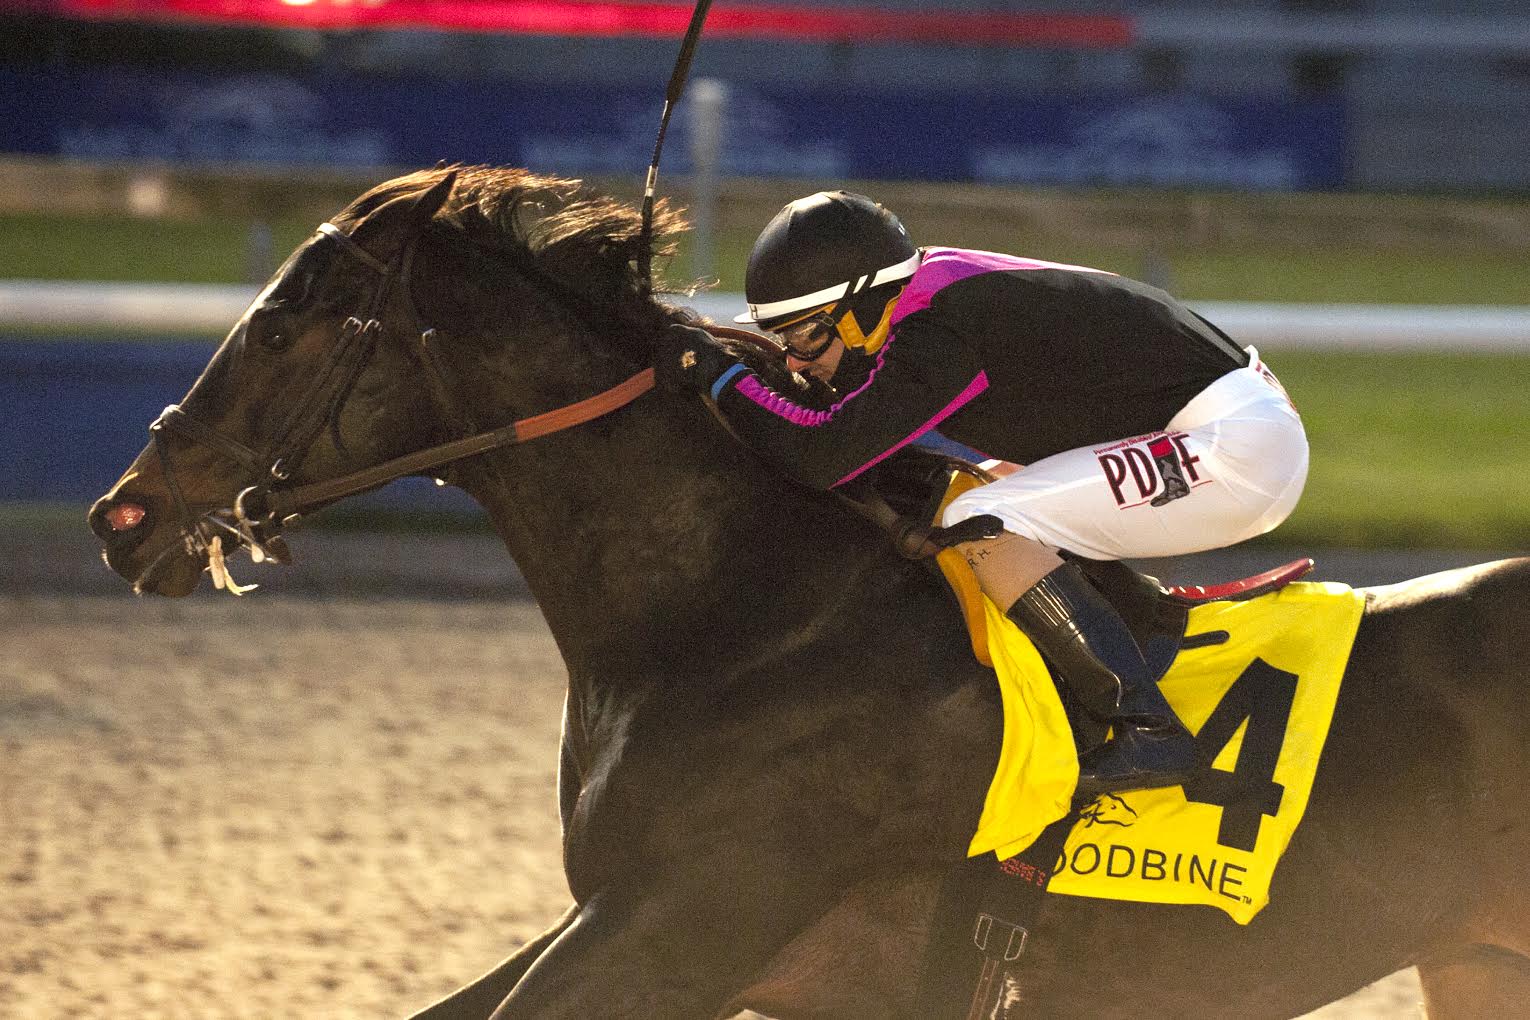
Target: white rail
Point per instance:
(1334, 327)
(212, 309)
(136, 307)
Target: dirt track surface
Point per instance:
(323, 801)
(278, 809)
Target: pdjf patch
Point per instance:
(1154, 469)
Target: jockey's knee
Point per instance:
(976, 502)
(961, 508)
(1007, 565)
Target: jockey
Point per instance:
(1143, 430)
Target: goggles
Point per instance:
(808, 338)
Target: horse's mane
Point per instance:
(585, 242)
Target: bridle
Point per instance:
(260, 510)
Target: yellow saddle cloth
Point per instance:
(1260, 703)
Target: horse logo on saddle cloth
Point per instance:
(1256, 680)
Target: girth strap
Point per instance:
(984, 915)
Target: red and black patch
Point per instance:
(1154, 469)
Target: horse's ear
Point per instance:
(426, 205)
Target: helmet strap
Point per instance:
(841, 307)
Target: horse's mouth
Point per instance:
(177, 568)
(174, 571)
(151, 555)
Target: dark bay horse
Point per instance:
(775, 738)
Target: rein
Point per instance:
(283, 503)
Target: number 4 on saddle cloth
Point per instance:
(1252, 668)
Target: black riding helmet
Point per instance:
(820, 250)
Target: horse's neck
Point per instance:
(638, 537)
(643, 529)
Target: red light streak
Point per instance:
(605, 19)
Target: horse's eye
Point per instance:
(275, 340)
(272, 332)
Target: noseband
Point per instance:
(260, 510)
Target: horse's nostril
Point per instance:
(125, 516)
(121, 525)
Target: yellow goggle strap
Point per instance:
(869, 343)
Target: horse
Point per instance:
(776, 741)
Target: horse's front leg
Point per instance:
(676, 950)
(477, 1000)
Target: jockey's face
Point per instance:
(823, 366)
(813, 345)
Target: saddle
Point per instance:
(917, 485)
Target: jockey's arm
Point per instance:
(917, 380)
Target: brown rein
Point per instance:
(283, 503)
(276, 505)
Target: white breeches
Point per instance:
(1239, 453)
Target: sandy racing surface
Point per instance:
(315, 801)
(283, 809)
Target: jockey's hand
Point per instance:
(690, 359)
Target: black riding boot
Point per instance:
(1085, 638)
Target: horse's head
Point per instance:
(325, 372)
(283, 398)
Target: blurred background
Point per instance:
(341, 803)
(1341, 182)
